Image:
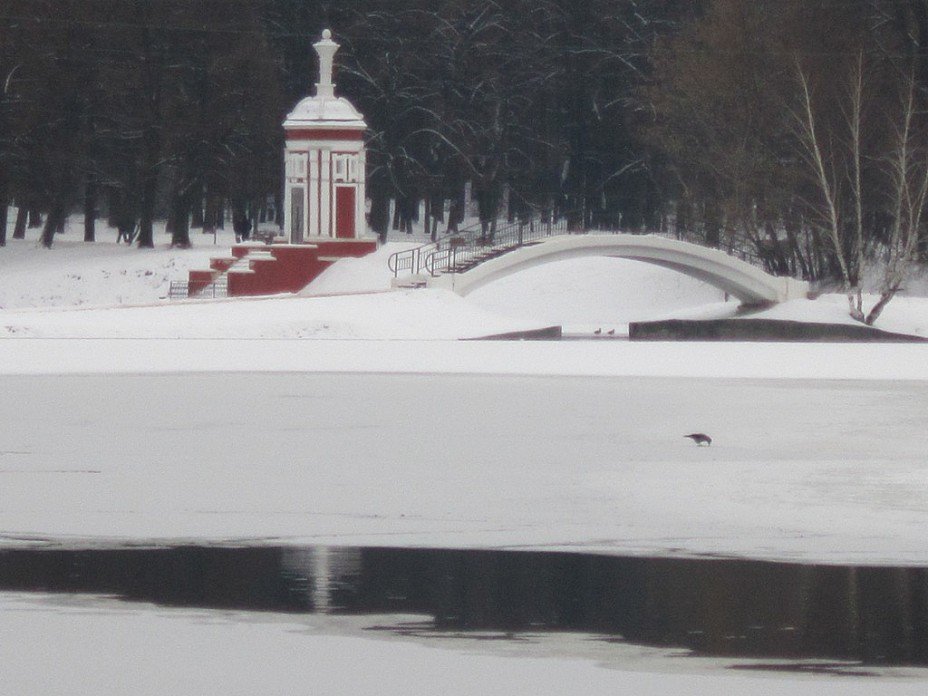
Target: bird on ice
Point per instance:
(700, 439)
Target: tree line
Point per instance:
(792, 131)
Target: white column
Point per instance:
(325, 191)
(312, 194)
(306, 196)
(360, 225)
(288, 210)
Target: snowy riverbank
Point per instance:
(132, 420)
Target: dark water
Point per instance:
(877, 616)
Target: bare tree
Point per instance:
(827, 177)
(834, 152)
(907, 170)
(827, 173)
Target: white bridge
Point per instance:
(740, 279)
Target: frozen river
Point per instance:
(806, 470)
(814, 470)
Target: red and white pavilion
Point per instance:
(323, 199)
(325, 162)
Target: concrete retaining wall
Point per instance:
(761, 330)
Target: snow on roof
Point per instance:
(324, 111)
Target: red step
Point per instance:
(293, 267)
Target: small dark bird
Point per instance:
(611, 332)
(598, 331)
(700, 439)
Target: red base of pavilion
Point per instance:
(270, 269)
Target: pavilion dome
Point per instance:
(324, 111)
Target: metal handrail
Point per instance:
(408, 259)
(180, 289)
(412, 259)
(464, 253)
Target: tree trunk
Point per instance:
(380, 214)
(122, 214)
(4, 212)
(880, 305)
(90, 210)
(210, 214)
(35, 218)
(147, 203)
(920, 16)
(488, 207)
(396, 214)
(112, 207)
(456, 210)
(149, 189)
(240, 222)
(213, 217)
(146, 225)
(197, 211)
(793, 230)
(428, 215)
(152, 56)
(437, 210)
(180, 222)
(53, 223)
(19, 229)
(713, 225)
(126, 227)
(405, 213)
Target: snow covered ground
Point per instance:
(129, 417)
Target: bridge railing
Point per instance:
(462, 253)
(408, 260)
(412, 261)
(464, 245)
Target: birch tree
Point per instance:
(828, 173)
(896, 189)
(907, 170)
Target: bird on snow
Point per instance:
(598, 331)
(611, 332)
(700, 439)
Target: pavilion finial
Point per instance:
(326, 49)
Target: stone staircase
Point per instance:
(255, 269)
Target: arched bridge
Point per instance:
(748, 283)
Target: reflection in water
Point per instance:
(714, 607)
